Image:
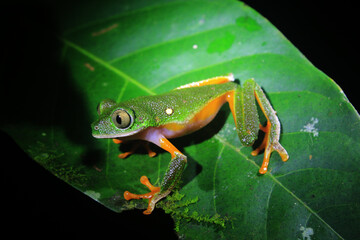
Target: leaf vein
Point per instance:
(214, 176)
(312, 169)
(214, 65)
(169, 41)
(108, 66)
(267, 207)
(121, 94)
(107, 164)
(127, 13)
(276, 181)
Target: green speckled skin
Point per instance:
(185, 102)
(149, 111)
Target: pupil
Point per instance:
(118, 119)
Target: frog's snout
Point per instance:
(95, 130)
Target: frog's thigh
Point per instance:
(242, 104)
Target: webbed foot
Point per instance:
(171, 178)
(269, 146)
(153, 195)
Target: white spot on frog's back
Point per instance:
(169, 111)
(310, 127)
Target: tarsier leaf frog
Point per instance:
(182, 111)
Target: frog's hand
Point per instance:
(171, 178)
(135, 146)
(246, 118)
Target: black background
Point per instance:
(39, 204)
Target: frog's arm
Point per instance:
(243, 107)
(135, 146)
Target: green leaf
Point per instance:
(125, 49)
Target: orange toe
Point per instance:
(150, 195)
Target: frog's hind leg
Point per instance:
(272, 131)
(243, 107)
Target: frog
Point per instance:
(182, 111)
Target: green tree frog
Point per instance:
(182, 111)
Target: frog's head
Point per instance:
(114, 121)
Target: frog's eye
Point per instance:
(121, 119)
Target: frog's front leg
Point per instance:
(172, 175)
(243, 107)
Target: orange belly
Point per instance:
(199, 120)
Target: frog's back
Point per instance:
(178, 105)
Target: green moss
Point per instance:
(180, 212)
(69, 174)
(52, 160)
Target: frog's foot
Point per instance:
(125, 154)
(135, 146)
(151, 153)
(154, 195)
(117, 141)
(128, 153)
(269, 146)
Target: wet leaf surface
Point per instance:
(121, 51)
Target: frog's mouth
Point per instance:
(97, 133)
